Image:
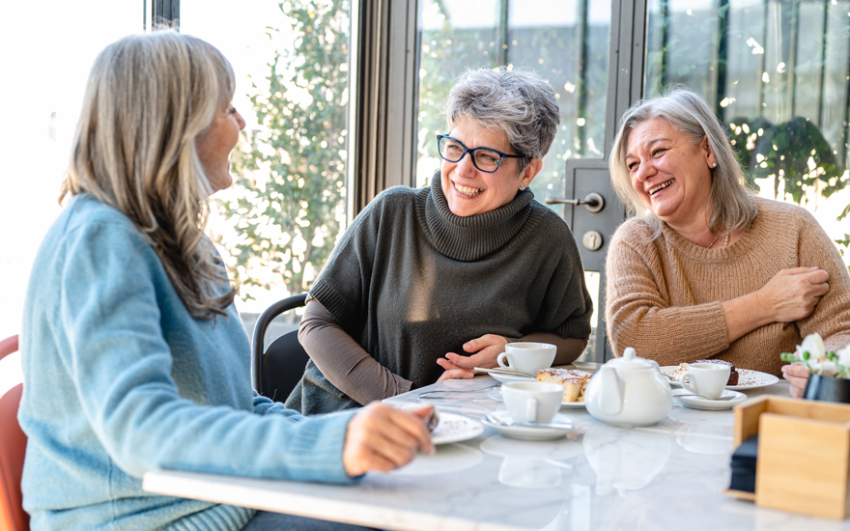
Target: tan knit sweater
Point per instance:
(663, 296)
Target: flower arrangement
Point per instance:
(813, 355)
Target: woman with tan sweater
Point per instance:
(709, 270)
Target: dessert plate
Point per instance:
(747, 379)
(496, 394)
(528, 433)
(728, 399)
(455, 428)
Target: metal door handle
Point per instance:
(594, 202)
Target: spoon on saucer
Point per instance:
(556, 425)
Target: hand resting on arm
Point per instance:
(791, 295)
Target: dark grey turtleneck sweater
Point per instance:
(410, 281)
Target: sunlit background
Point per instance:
(776, 71)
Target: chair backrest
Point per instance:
(278, 368)
(13, 445)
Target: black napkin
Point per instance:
(744, 465)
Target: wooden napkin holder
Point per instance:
(803, 454)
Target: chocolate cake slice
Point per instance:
(733, 374)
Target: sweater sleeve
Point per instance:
(120, 365)
(831, 317)
(343, 361)
(639, 315)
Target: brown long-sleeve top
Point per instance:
(663, 296)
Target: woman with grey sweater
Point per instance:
(427, 284)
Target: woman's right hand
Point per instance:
(792, 294)
(382, 438)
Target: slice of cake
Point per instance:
(733, 374)
(573, 381)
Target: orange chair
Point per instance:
(13, 445)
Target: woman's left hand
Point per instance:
(484, 352)
(798, 376)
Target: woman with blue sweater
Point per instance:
(134, 356)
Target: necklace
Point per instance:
(725, 241)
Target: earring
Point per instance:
(714, 165)
(522, 187)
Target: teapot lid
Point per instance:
(630, 361)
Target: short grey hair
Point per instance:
(519, 103)
(732, 207)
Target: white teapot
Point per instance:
(629, 391)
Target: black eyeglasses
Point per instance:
(485, 159)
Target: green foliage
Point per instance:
(291, 182)
(797, 155)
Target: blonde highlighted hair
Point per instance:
(730, 204)
(147, 98)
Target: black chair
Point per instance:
(278, 368)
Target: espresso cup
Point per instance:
(527, 358)
(705, 379)
(532, 401)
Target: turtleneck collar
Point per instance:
(472, 237)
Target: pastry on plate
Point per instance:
(733, 373)
(574, 382)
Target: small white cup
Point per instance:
(532, 401)
(705, 379)
(527, 358)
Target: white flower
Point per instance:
(825, 367)
(844, 357)
(813, 344)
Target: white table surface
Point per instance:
(665, 477)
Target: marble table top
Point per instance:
(670, 476)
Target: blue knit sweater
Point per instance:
(120, 379)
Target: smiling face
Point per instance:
(470, 192)
(670, 175)
(215, 144)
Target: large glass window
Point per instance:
(279, 221)
(777, 73)
(565, 41)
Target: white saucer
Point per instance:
(688, 399)
(528, 433)
(507, 378)
(746, 379)
(496, 394)
(455, 428)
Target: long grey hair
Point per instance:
(147, 98)
(731, 205)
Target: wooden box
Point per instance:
(803, 456)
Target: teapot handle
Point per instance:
(612, 398)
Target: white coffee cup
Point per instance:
(705, 379)
(532, 401)
(527, 358)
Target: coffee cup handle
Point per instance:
(531, 409)
(501, 361)
(688, 382)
